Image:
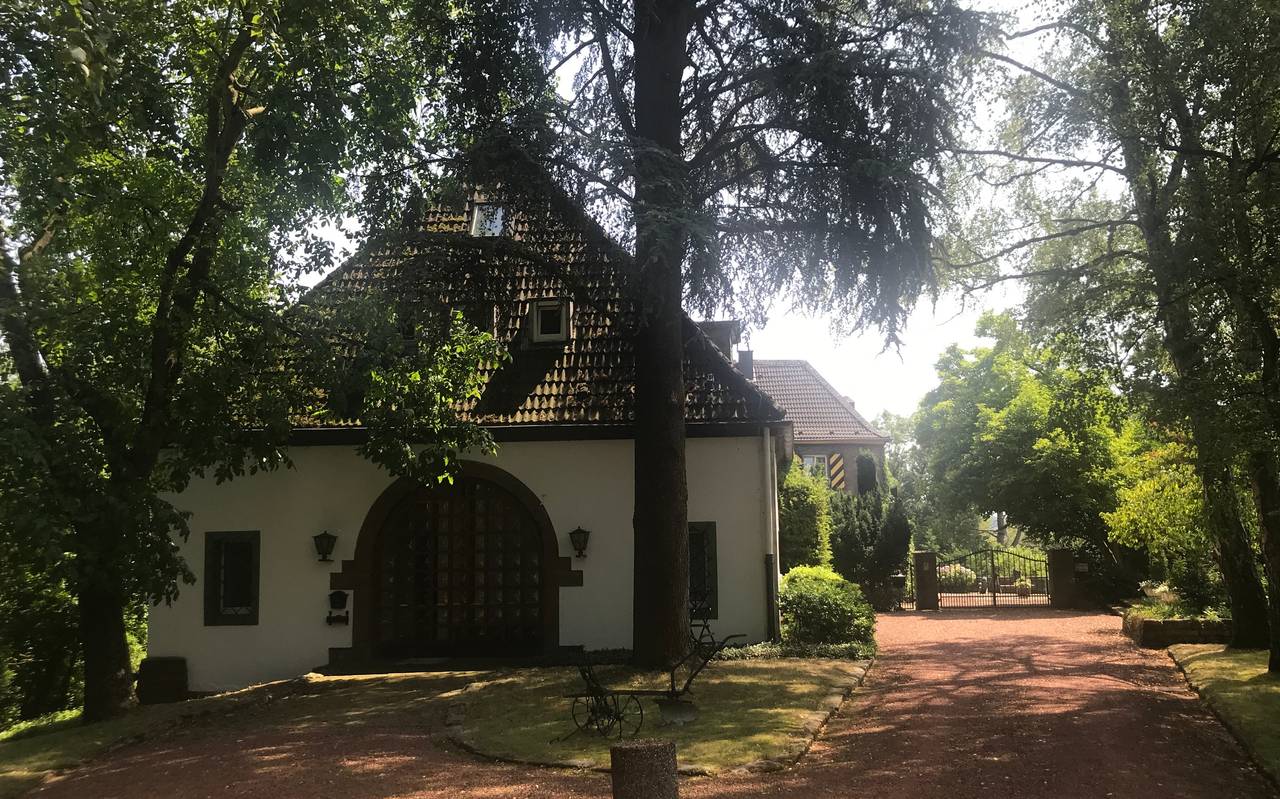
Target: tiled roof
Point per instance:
(548, 250)
(816, 409)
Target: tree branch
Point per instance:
(616, 95)
(1042, 159)
(1044, 76)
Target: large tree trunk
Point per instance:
(661, 594)
(1234, 549)
(108, 681)
(1152, 192)
(1266, 492)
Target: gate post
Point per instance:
(1062, 578)
(926, 568)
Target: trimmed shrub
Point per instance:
(768, 650)
(804, 519)
(821, 607)
(870, 541)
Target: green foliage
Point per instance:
(166, 170)
(1160, 510)
(1025, 428)
(804, 519)
(1155, 609)
(845, 226)
(821, 607)
(769, 650)
(870, 541)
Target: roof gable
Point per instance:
(548, 249)
(816, 409)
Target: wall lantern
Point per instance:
(338, 601)
(578, 537)
(324, 545)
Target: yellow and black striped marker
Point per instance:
(835, 466)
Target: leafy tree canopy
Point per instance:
(165, 170)
(1018, 427)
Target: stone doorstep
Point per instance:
(815, 722)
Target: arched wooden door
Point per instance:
(463, 569)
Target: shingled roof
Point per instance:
(816, 409)
(548, 250)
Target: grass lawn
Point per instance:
(1239, 689)
(31, 751)
(748, 711)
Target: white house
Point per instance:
(485, 566)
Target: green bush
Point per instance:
(870, 541)
(804, 519)
(769, 650)
(821, 607)
(956, 579)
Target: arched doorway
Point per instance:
(462, 568)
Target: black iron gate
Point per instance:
(993, 577)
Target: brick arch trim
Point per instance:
(357, 575)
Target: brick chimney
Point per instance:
(746, 364)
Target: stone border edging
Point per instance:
(815, 723)
(1225, 721)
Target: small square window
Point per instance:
(486, 219)
(550, 321)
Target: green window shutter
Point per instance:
(704, 585)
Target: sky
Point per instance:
(877, 380)
(894, 380)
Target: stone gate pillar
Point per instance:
(925, 565)
(1062, 578)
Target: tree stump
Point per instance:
(644, 769)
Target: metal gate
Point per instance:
(993, 577)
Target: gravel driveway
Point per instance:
(960, 705)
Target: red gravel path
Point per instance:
(960, 705)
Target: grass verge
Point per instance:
(31, 751)
(750, 712)
(1236, 685)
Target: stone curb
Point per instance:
(813, 726)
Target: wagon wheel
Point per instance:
(592, 714)
(628, 714)
(581, 712)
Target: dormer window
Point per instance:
(550, 321)
(486, 219)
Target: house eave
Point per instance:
(356, 434)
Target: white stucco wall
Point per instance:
(580, 483)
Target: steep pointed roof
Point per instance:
(816, 409)
(549, 249)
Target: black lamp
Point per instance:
(578, 537)
(324, 545)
